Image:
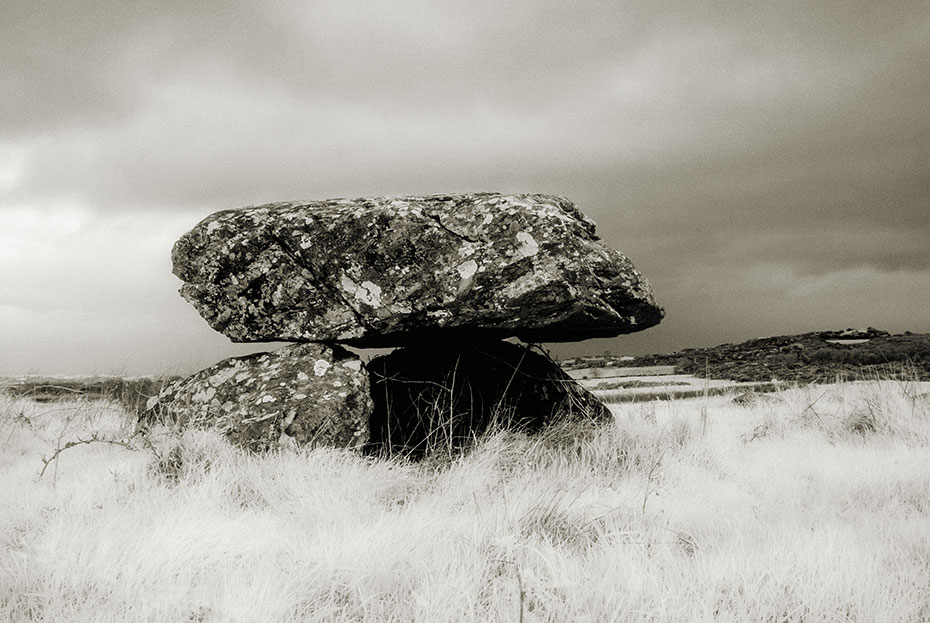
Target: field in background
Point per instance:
(649, 383)
(806, 504)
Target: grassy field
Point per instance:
(810, 504)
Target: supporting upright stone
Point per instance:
(447, 393)
(304, 394)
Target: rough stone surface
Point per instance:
(444, 394)
(304, 394)
(394, 271)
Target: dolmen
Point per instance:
(447, 281)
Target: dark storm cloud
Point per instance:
(91, 64)
(736, 151)
(662, 86)
(719, 113)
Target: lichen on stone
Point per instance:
(380, 271)
(259, 400)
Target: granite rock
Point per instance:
(396, 271)
(299, 395)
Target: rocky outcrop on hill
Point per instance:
(394, 271)
(445, 277)
(816, 357)
(304, 394)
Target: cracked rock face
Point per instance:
(395, 271)
(302, 394)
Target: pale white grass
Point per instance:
(812, 504)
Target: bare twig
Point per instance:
(811, 405)
(79, 442)
(757, 433)
(649, 479)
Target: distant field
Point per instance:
(630, 388)
(806, 504)
(129, 392)
(612, 372)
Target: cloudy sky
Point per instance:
(765, 165)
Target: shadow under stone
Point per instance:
(440, 396)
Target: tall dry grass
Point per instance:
(812, 504)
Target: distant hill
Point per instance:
(821, 356)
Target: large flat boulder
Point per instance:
(395, 271)
(444, 395)
(302, 394)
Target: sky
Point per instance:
(766, 165)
